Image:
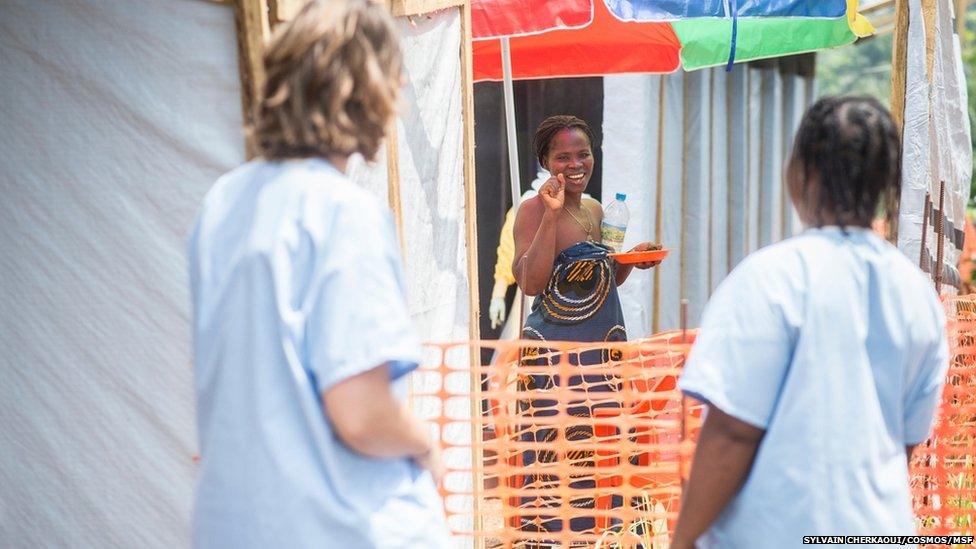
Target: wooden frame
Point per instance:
(283, 10)
(405, 8)
(899, 63)
(253, 29)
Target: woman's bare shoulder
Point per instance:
(531, 207)
(594, 206)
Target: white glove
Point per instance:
(496, 311)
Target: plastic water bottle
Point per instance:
(614, 226)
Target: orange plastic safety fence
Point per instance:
(564, 445)
(944, 467)
(549, 453)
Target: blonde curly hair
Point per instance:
(333, 79)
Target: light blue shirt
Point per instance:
(297, 285)
(835, 345)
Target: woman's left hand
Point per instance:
(645, 247)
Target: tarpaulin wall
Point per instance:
(430, 151)
(700, 156)
(937, 146)
(117, 117)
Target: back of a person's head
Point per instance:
(333, 77)
(846, 159)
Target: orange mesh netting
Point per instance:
(942, 472)
(550, 453)
(543, 452)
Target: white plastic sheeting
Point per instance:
(430, 148)
(117, 118)
(937, 145)
(700, 156)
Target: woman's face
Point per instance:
(570, 155)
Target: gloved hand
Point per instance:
(496, 311)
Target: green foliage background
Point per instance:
(864, 68)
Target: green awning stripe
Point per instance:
(705, 42)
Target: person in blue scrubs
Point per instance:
(301, 334)
(821, 358)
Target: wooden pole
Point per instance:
(684, 399)
(658, 205)
(961, 7)
(925, 229)
(899, 71)
(929, 15)
(393, 183)
(470, 190)
(940, 242)
(251, 19)
(280, 11)
(471, 237)
(899, 64)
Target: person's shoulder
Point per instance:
(776, 269)
(901, 264)
(590, 201)
(593, 204)
(328, 191)
(908, 275)
(532, 206)
(777, 257)
(229, 181)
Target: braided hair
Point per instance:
(551, 126)
(849, 148)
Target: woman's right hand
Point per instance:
(553, 193)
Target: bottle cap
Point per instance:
(621, 197)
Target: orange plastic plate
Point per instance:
(631, 258)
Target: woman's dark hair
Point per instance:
(550, 127)
(850, 147)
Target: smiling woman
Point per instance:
(560, 260)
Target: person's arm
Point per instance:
(623, 271)
(503, 270)
(370, 420)
(535, 236)
(724, 455)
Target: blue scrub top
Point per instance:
(834, 343)
(297, 285)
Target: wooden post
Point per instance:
(899, 71)
(470, 194)
(403, 8)
(280, 11)
(899, 64)
(471, 237)
(659, 206)
(251, 19)
(925, 229)
(929, 15)
(393, 183)
(940, 241)
(961, 7)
